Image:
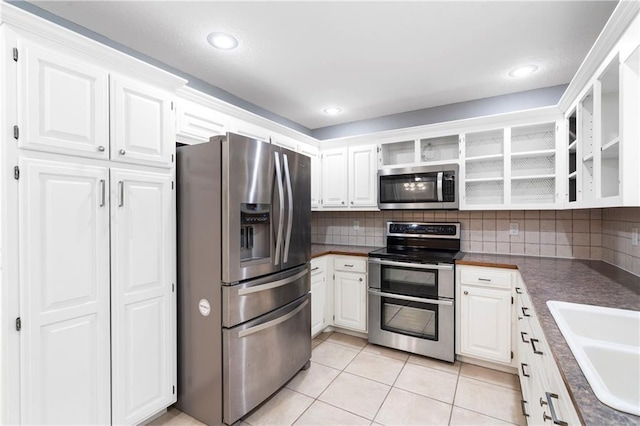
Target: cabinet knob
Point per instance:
(352, 202)
(343, 202)
(122, 152)
(101, 148)
(466, 292)
(360, 279)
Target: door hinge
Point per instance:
(334, 317)
(511, 354)
(512, 300)
(16, 173)
(15, 54)
(173, 287)
(173, 389)
(171, 105)
(172, 158)
(18, 324)
(16, 132)
(171, 184)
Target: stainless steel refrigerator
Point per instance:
(244, 245)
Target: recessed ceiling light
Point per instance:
(523, 71)
(222, 41)
(333, 110)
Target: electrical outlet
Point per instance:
(356, 225)
(634, 236)
(514, 228)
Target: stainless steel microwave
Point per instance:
(420, 187)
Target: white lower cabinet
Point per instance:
(98, 328)
(484, 313)
(350, 293)
(319, 290)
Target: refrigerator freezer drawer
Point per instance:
(262, 355)
(250, 299)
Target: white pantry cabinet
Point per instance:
(142, 294)
(64, 293)
(350, 293)
(484, 313)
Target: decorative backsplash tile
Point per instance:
(581, 234)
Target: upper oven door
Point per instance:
(411, 279)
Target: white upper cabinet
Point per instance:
(334, 178)
(316, 173)
(197, 123)
(143, 301)
(362, 176)
(284, 142)
(64, 293)
(249, 130)
(63, 103)
(142, 129)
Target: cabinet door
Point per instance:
(142, 129)
(312, 152)
(142, 297)
(351, 300)
(196, 123)
(334, 178)
(284, 142)
(362, 176)
(63, 103)
(485, 323)
(249, 130)
(64, 293)
(318, 301)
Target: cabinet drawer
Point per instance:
(350, 265)
(488, 277)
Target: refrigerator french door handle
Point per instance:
(439, 186)
(281, 218)
(287, 240)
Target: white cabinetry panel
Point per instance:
(362, 176)
(316, 176)
(196, 123)
(350, 300)
(334, 178)
(143, 302)
(64, 293)
(63, 103)
(142, 131)
(318, 300)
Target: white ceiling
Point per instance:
(370, 58)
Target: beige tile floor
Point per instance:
(351, 382)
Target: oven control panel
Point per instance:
(435, 229)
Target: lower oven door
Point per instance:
(261, 355)
(417, 325)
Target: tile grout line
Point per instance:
(455, 391)
(389, 391)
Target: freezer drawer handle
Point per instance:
(257, 328)
(269, 286)
(411, 298)
(287, 241)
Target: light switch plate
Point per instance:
(514, 228)
(634, 236)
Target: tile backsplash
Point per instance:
(582, 234)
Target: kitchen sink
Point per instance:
(606, 344)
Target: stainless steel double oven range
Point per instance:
(411, 289)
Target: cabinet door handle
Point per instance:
(522, 365)
(360, 279)
(102, 192)
(122, 152)
(101, 148)
(121, 191)
(466, 292)
(554, 416)
(524, 311)
(315, 269)
(533, 346)
(518, 290)
(485, 279)
(522, 334)
(347, 266)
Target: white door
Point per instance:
(334, 178)
(196, 123)
(142, 129)
(485, 328)
(350, 300)
(64, 293)
(362, 176)
(312, 152)
(142, 297)
(318, 301)
(63, 103)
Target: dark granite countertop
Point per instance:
(588, 282)
(318, 250)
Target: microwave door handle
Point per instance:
(439, 186)
(281, 202)
(287, 240)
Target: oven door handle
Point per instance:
(411, 298)
(446, 267)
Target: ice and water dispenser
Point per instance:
(254, 231)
